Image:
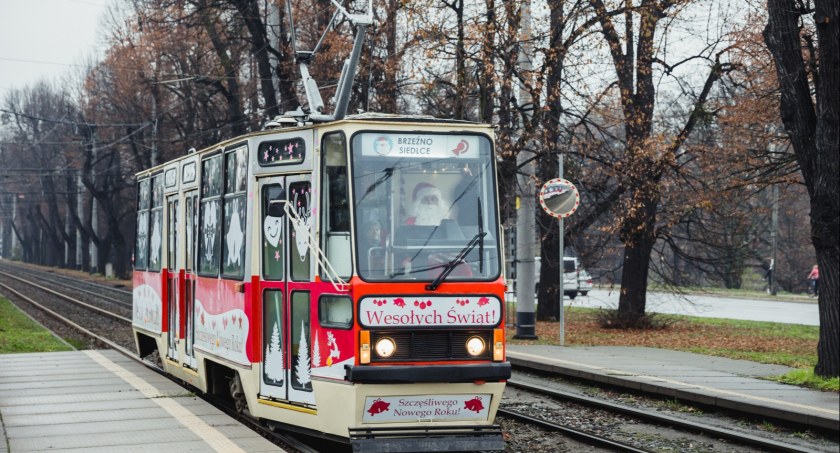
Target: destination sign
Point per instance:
(421, 146)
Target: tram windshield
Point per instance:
(424, 205)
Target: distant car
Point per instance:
(584, 282)
(570, 276)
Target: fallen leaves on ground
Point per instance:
(582, 329)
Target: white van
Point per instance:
(571, 267)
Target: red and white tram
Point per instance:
(342, 278)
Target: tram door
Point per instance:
(188, 275)
(173, 301)
(286, 272)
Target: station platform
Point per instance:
(734, 385)
(102, 401)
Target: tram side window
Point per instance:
(191, 218)
(335, 311)
(335, 211)
(156, 233)
(300, 194)
(236, 169)
(281, 152)
(272, 235)
(273, 366)
(301, 377)
(141, 245)
(172, 240)
(210, 210)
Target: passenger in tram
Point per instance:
(370, 243)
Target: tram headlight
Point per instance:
(475, 346)
(385, 347)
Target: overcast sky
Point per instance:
(45, 38)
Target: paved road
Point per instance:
(711, 307)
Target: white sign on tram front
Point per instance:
(421, 146)
(409, 311)
(384, 409)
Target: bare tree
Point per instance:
(809, 73)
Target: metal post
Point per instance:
(272, 25)
(14, 241)
(526, 319)
(80, 209)
(561, 318)
(94, 216)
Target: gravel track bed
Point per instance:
(117, 331)
(643, 434)
(122, 309)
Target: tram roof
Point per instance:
(355, 118)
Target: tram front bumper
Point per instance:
(429, 438)
(393, 374)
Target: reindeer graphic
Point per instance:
(303, 221)
(333, 346)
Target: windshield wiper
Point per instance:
(450, 266)
(481, 232)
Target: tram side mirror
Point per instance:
(276, 196)
(559, 198)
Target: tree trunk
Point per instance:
(487, 78)
(460, 64)
(815, 136)
(549, 298)
(230, 87)
(638, 237)
(551, 263)
(249, 11)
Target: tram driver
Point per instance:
(428, 206)
(431, 209)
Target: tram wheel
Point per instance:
(238, 395)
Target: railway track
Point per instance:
(100, 339)
(116, 295)
(87, 325)
(661, 419)
(647, 416)
(582, 436)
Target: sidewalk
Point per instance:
(714, 381)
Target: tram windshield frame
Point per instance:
(420, 199)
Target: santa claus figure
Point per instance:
(428, 206)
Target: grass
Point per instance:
(806, 378)
(764, 342)
(18, 333)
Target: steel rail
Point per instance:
(70, 281)
(587, 437)
(70, 299)
(70, 285)
(741, 438)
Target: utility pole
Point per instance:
(94, 216)
(80, 208)
(14, 241)
(273, 29)
(526, 320)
